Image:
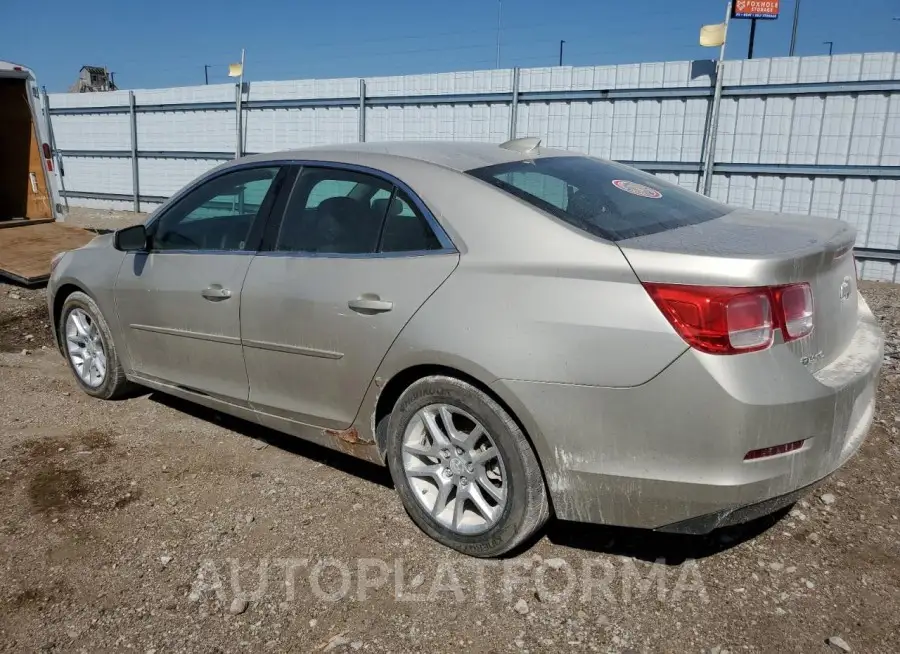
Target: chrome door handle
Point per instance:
(216, 292)
(370, 305)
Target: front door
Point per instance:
(180, 303)
(354, 259)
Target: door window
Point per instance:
(331, 212)
(329, 188)
(335, 211)
(218, 214)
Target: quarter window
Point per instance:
(218, 214)
(405, 229)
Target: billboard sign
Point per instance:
(765, 9)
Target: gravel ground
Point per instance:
(151, 525)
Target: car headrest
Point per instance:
(380, 206)
(342, 209)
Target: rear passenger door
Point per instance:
(354, 258)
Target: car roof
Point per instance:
(456, 155)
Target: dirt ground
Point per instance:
(151, 525)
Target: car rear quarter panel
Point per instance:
(533, 298)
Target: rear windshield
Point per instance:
(606, 199)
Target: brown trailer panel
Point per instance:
(26, 250)
(23, 182)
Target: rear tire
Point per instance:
(86, 342)
(487, 461)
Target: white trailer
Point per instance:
(30, 202)
(27, 189)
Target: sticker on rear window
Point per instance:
(637, 189)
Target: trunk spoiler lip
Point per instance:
(707, 268)
(838, 243)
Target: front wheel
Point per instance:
(89, 349)
(465, 472)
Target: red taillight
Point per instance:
(773, 451)
(731, 320)
(48, 155)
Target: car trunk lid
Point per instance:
(755, 248)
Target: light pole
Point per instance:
(710, 149)
(830, 45)
(499, 23)
(752, 38)
(794, 31)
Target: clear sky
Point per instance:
(162, 43)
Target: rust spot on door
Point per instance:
(350, 436)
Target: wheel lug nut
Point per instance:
(459, 450)
(445, 453)
(447, 472)
(463, 482)
(469, 467)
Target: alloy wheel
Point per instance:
(454, 469)
(85, 348)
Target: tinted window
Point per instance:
(606, 199)
(330, 211)
(328, 188)
(405, 229)
(217, 215)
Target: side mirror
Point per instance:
(131, 239)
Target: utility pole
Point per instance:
(499, 23)
(561, 43)
(794, 31)
(239, 150)
(752, 38)
(830, 45)
(206, 73)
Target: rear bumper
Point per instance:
(727, 517)
(669, 454)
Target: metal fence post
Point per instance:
(60, 173)
(239, 123)
(514, 104)
(362, 110)
(135, 175)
